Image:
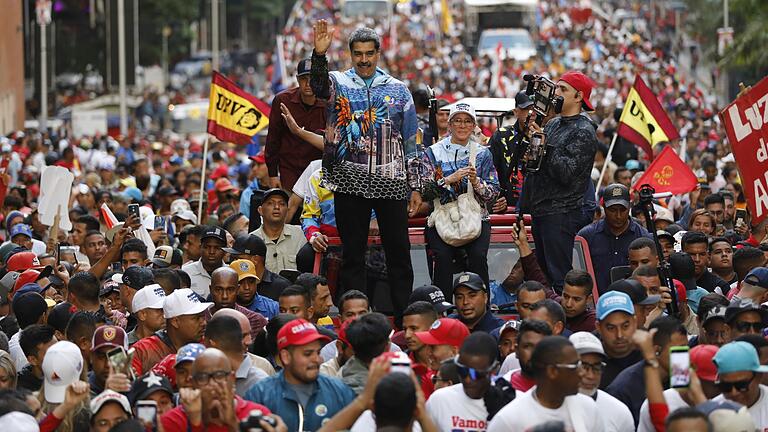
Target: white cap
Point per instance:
(586, 343)
(179, 205)
(62, 365)
(183, 302)
(19, 422)
(462, 107)
(109, 396)
(187, 215)
(664, 214)
(149, 297)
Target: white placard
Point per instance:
(86, 123)
(55, 189)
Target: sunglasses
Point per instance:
(474, 374)
(745, 326)
(740, 386)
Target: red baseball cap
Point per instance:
(445, 331)
(342, 335)
(31, 276)
(682, 296)
(701, 360)
(23, 261)
(581, 83)
(299, 332)
(259, 158)
(223, 185)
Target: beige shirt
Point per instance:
(262, 363)
(331, 368)
(281, 254)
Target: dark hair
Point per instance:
(448, 371)
(273, 327)
(352, 295)
(34, 335)
(93, 232)
(167, 278)
(580, 278)
(227, 223)
(547, 352)
(13, 401)
(745, 259)
(535, 326)
(223, 208)
(297, 290)
(31, 314)
(310, 281)
(530, 286)
(642, 243)
(85, 286)
(59, 316)
(90, 222)
(756, 341)
(225, 330)
(190, 230)
(365, 34)
(184, 279)
(420, 98)
(554, 309)
(480, 344)
(645, 270)
(693, 237)
(686, 413)
(718, 240)
(369, 336)
(394, 400)
(134, 245)
(665, 327)
(81, 325)
(13, 202)
(421, 308)
(708, 302)
(714, 199)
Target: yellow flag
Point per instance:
(643, 121)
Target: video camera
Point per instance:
(542, 91)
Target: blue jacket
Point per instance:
(330, 396)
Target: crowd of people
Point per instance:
(269, 310)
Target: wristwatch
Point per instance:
(441, 182)
(651, 363)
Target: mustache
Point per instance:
(364, 64)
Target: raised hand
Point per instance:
(323, 36)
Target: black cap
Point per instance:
(717, 312)
(135, 277)
(522, 100)
(167, 191)
(147, 384)
(470, 280)
(665, 234)
(615, 194)
(304, 67)
(59, 316)
(32, 303)
(431, 294)
(275, 191)
(635, 290)
(214, 232)
(739, 306)
(682, 268)
(108, 287)
(247, 244)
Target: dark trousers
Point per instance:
(553, 235)
(443, 255)
(353, 217)
(305, 259)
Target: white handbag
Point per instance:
(459, 222)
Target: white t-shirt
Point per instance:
(615, 415)
(674, 401)
(758, 411)
(17, 354)
(452, 410)
(578, 412)
(329, 351)
(511, 363)
(302, 184)
(367, 423)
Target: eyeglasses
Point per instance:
(203, 378)
(593, 367)
(740, 386)
(474, 374)
(745, 326)
(570, 366)
(463, 122)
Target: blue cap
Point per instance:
(21, 229)
(614, 301)
(738, 357)
(11, 216)
(133, 194)
(632, 164)
(188, 352)
(758, 277)
(30, 287)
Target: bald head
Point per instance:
(225, 272)
(212, 372)
(211, 360)
(224, 287)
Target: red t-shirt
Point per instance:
(521, 383)
(176, 419)
(149, 352)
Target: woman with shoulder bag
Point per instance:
(460, 179)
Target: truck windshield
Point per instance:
(491, 41)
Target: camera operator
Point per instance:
(555, 194)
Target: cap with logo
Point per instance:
(149, 297)
(165, 367)
(462, 108)
(135, 277)
(109, 396)
(23, 261)
(444, 331)
(108, 287)
(275, 191)
(586, 343)
(470, 280)
(179, 205)
(613, 301)
(245, 269)
(665, 234)
(738, 357)
(635, 290)
(214, 232)
(299, 332)
(717, 312)
(183, 302)
(614, 194)
(166, 256)
(701, 361)
(109, 336)
(147, 384)
(188, 352)
(304, 67)
(522, 100)
(62, 365)
(739, 306)
(509, 325)
(247, 244)
(22, 229)
(431, 294)
(581, 83)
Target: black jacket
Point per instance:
(558, 187)
(502, 149)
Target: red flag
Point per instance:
(668, 173)
(643, 121)
(234, 115)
